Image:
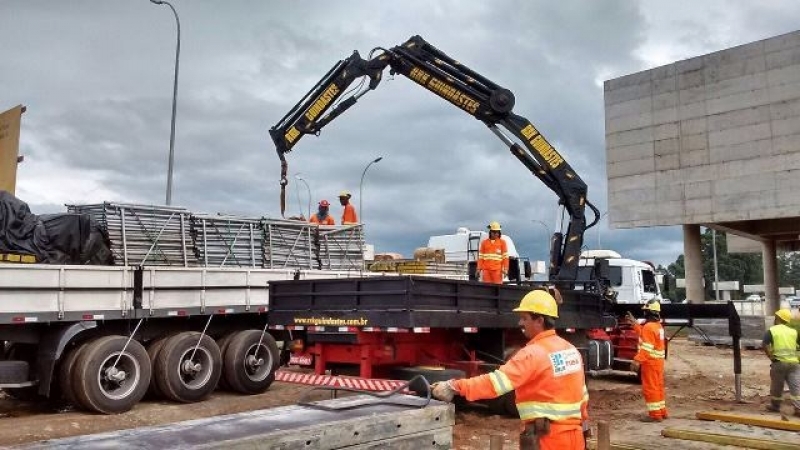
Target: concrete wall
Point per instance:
(714, 138)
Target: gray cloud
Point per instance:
(97, 79)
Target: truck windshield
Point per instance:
(586, 273)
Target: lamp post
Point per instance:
(598, 228)
(174, 101)
(308, 189)
(361, 187)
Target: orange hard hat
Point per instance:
(324, 203)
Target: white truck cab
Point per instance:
(634, 281)
(465, 243)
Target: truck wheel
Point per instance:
(223, 344)
(188, 367)
(432, 374)
(108, 380)
(65, 374)
(249, 367)
(153, 349)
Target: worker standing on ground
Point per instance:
(322, 217)
(547, 375)
(649, 361)
(782, 344)
(349, 216)
(493, 256)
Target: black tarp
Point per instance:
(52, 238)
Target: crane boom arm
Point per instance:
(476, 95)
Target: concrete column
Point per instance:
(770, 257)
(693, 263)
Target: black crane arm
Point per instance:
(476, 95)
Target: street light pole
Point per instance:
(598, 229)
(308, 189)
(361, 187)
(174, 101)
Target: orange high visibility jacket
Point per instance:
(349, 215)
(493, 255)
(547, 375)
(328, 220)
(651, 342)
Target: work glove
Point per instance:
(635, 366)
(444, 391)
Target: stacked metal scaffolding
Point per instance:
(221, 241)
(144, 234)
(341, 247)
(288, 244)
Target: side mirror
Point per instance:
(602, 270)
(528, 269)
(472, 271)
(513, 269)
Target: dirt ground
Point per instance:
(698, 378)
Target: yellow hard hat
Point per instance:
(538, 302)
(494, 226)
(784, 314)
(345, 193)
(652, 305)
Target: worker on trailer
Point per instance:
(782, 345)
(649, 361)
(547, 375)
(493, 256)
(322, 217)
(349, 216)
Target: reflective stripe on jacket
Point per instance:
(328, 220)
(493, 255)
(651, 342)
(547, 375)
(784, 343)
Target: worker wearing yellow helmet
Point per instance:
(546, 375)
(493, 256)
(349, 216)
(649, 361)
(782, 344)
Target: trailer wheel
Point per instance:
(188, 367)
(153, 349)
(249, 367)
(65, 374)
(108, 380)
(432, 374)
(223, 344)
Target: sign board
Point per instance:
(726, 285)
(9, 147)
(753, 288)
(787, 290)
(681, 282)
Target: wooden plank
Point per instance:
(357, 423)
(748, 419)
(728, 439)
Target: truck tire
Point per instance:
(153, 349)
(108, 380)
(66, 369)
(188, 367)
(249, 367)
(432, 374)
(223, 344)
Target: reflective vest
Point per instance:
(651, 342)
(547, 375)
(784, 343)
(349, 215)
(493, 255)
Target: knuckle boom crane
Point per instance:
(476, 95)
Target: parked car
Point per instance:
(754, 298)
(794, 302)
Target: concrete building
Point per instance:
(710, 141)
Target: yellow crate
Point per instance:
(16, 258)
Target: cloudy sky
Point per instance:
(96, 77)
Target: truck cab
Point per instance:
(633, 281)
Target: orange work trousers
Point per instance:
(653, 388)
(492, 276)
(562, 438)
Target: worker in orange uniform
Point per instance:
(547, 375)
(349, 214)
(649, 361)
(493, 256)
(321, 216)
